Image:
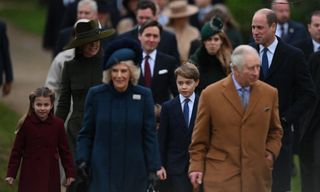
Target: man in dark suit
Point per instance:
(147, 10)
(176, 125)
(5, 61)
(290, 31)
(309, 146)
(284, 67)
(157, 68)
(312, 44)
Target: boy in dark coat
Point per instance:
(176, 125)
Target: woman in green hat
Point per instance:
(81, 73)
(214, 54)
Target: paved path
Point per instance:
(30, 66)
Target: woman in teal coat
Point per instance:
(118, 140)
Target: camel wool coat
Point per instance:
(229, 143)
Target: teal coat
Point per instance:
(119, 139)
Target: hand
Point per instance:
(196, 179)
(83, 170)
(6, 88)
(68, 181)
(162, 174)
(157, 110)
(9, 180)
(269, 156)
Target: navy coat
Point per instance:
(175, 136)
(119, 139)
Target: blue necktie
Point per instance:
(186, 111)
(244, 97)
(265, 63)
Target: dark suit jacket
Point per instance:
(167, 45)
(296, 32)
(306, 46)
(163, 80)
(5, 60)
(312, 121)
(174, 137)
(290, 75)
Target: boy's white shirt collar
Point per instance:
(192, 98)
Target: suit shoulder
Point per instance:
(290, 48)
(166, 56)
(133, 33)
(141, 90)
(98, 88)
(296, 25)
(170, 102)
(168, 33)
(266, 86)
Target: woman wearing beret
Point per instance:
(118, 140)
(81, 73)
(214, 54)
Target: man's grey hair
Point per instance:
(239, 54)
(134, 73)
(91, 3)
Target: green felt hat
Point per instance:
(211, 28)
(87, 31)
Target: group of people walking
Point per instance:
(223, 120)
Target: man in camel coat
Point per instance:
(237, 135)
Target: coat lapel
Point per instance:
(277, 59)
(194, 113)
(253, 99)
(231, 95)
(178, 113)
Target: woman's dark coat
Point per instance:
(209, 67)
(78, 76)
(118, 139)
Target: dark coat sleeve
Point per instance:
(150, 138)
(162, 133)
(5, 60)
(304, 88)
(64, 102)
(86, 133)
(64, 152)
(16, 154)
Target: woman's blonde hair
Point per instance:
(39, 92)
(134, 72)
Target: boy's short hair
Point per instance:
(188, 70)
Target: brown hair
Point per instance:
(188, 70)
(39, 92)
(150, 23)
(224, 53)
